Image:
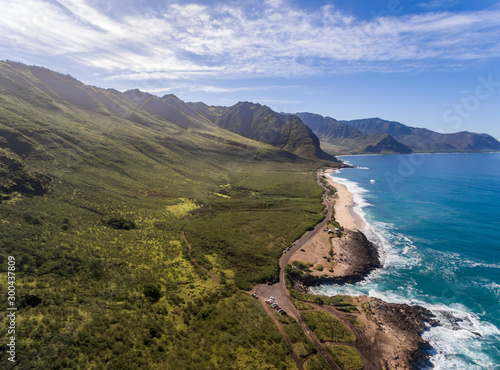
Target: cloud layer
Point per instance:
(258, 38)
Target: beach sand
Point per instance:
(343, 204)
(345, 257)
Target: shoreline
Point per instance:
(391, 332)
(344, 204)
(340, 253)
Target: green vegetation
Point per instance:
(348, 358)
(327, 328)
(316, 362)
(101, 296)
(302, 345)
(249, 230)
(152, 291)
(318, 267)
(327, 185)
(299, 305)
(355, 322)
(120, 223)
(340, 302)
(299, 271)
(369, 313)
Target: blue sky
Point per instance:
(431, 64)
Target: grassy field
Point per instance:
(302, 345)
(346, 357)
(299, 305)
(327, 328)
(340, 302)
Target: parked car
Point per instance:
(268, 301)
(255, 295)
(283, 312)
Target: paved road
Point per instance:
(279, 291)
(308, 235)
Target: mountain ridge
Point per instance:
(335, 136)
(400, 137)
(52, 88)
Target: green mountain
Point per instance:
(98, 189)
(259, 122)
(340, 138)
(427, 141)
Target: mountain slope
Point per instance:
(146, 109)
(424, 140)
(340, 138)
(259, 122)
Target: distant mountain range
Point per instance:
(374, 135)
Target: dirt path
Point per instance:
(214, 278)
(297, 359)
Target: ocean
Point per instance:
(436, 221)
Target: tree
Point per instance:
(152, 292)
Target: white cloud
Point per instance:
(273, 39)
(435, 4)
(217, 89)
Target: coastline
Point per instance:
(344, 204)
(391, 333)
(340, 253)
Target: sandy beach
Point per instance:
(344, 203)
(344, 257)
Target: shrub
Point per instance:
(328, 328)
(318, 267)
(152, 292)
(32, 219)
(120, 223)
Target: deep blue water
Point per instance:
(436, 220)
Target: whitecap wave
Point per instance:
(457, 260)
(461, 339)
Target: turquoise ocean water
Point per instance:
(436, 220)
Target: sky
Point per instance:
(433, 64)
